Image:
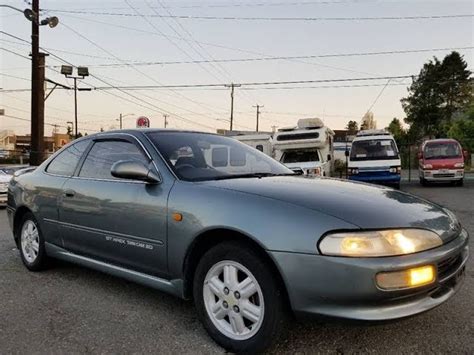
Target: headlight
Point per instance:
(315, 171)
(395, 169)
(459, 165)
(353, 171)
(379, 243)
(427, 166)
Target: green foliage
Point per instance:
(462, 129)
(352, 127)
(440, 90)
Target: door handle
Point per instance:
(69, 193)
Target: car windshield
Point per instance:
(374, 149)
(300, 156)
(201, 156)
(442, 150)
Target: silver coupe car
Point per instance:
(207, 218)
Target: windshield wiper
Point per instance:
(249, 175)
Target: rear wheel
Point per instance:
(238, 298)
(31, 244)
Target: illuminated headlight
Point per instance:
(395, 170)
(427, 166)
(459, 165)
(379, 243)
(415, 277)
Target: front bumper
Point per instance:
(442, 175)
(3, 198)
(377, 179)
(345, 287)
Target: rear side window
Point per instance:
(65, 162)
(104, 154)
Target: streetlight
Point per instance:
(37, 79)
(82, 72)
(123, 116)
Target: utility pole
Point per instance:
(120, 121)
(258, 112)
(37, 91)
(232, 86)
(165, 116)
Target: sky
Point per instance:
(115, 39)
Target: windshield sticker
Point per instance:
(386, 142)
(390, 153)
(361, 155)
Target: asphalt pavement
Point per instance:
(69, 309)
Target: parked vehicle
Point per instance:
(441, 160)
(262, 142)
(374, 158)
(247, 245)
(4, 180)
(309, 147)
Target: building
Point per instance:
(12, 143)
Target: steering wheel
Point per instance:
(182, 166)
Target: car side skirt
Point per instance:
(174, 287)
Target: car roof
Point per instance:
(441, 140)
(137, 131)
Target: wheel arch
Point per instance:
(210, 238)
(19, 213)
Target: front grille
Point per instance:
(447, 175)
(448, 266)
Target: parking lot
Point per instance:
(72, 309)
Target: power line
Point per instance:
(273, 58)
(15, 53)
(154, 107)
(134, 68)
(239, 4)
(243, 18)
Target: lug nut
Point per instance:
(225, 304)
(237, 294)
(226, 290)
(236, 309)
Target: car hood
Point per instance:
(366, 206)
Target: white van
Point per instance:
(374, 158)
(309, 147)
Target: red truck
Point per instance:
(441, 160)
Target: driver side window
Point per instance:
(104, 154)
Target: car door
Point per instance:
(119, 221)
(48, 188)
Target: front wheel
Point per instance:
(31, 244)
(238, 298)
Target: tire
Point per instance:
(239, 329)
(461, 182)
(31, 244)
(397, 186)
(423, 182)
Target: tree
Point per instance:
(368, 121)
(396, 129)
(436, 94)
(462, 129)
(352, 127)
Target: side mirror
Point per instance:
(329, 157)
(346, 153)
(134, 170)
(420, 155)
(465, 153)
